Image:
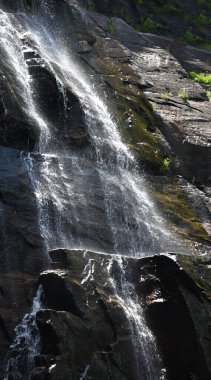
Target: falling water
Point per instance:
(65, 180)
(14, 48)
(147, 360)
(90, 198)
(25, 347)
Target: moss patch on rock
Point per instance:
(198, 268)
(176, 207)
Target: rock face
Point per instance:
(161, 18)
(84, 324)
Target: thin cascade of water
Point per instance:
(147, 359)
(43, 218)
(13, 47)
(148, 362)
(26, 345)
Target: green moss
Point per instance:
(144, 143)
(139, 133)
(175, 205)
(194, 266)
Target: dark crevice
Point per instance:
(2, 292)
(57, 296)
(4, 330)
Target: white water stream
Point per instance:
(136, 227)
(147, 359)
(26, 344)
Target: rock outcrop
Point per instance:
(84, 329)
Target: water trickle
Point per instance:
(147, 359)
(26, 345)
(14, 47)
(84, 375)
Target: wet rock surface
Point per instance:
(84, 329)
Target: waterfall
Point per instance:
(66, 179)
(20, 360)
(90, 197)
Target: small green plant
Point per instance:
(201, 78)
(111, 25)
(208, 95)
(165, 167)
(183, 95)
(149, 26)
(202, 19)
(91, 8)
(204, 3)
(205, 45)
(154, 106)
(189, 37)
(169, 9)
(189, 20)
(195, 40)
(165, 96)
(138, 2)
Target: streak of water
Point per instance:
(13, 47)
(26, 344)
(147, 359)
